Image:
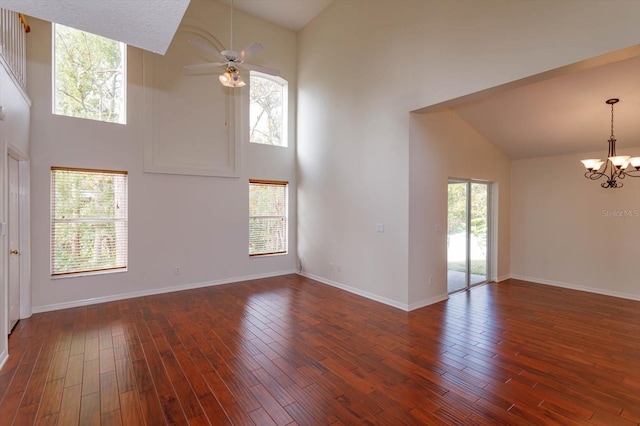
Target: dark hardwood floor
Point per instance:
(288, 350)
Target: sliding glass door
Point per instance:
(468, 234)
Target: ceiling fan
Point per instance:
(230, 59)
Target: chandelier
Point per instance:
(616, 167)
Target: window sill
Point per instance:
(88, 274)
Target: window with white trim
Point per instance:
(268, 227)
(89, 75)
(267, 109)
(89, 221)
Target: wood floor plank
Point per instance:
(130, 409)
(26, 415)
(20, 378)
(111, 419)
(125, 375)
(91, 349)
(109, 400)
(270, 405)
(73, 375)
(91, 377)
(151, 408)
(9, 406)
(51, 398)
(90, 409)
(70, 405)
(288, 350)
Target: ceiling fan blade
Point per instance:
(204, 67)
(250, 50)
(265, 70)
(209, 49)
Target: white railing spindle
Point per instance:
(13, 45)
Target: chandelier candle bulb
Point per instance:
(616, 167)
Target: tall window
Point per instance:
(89, 77)
(267, 217)
(88, 221)
(267, 110)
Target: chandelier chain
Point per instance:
(612, 137)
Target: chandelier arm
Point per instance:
(594, 175)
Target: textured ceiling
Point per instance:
(291, 14)
(561, 115)
(147, 24)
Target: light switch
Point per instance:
(380, 227)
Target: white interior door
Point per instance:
(14, 242)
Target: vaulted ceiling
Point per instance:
(292, 14)
(561, 115)
(557, 114)
(151, 24)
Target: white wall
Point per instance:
(570, 232)
(442, 146)
(363, 66)
(14, 138)
(195, 222)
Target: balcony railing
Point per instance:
(13, 27)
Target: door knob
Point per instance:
(14, 252)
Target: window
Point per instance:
(267, 217)
(88, 221)
(88, 75)
(267, 110)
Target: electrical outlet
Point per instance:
(178, 269)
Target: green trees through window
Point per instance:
(267, 217)
(267, 110)
(89, 75)
(88, 221)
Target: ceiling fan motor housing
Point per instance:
(230, 54)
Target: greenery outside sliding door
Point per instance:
(468, 244)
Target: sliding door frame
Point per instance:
(489, 248)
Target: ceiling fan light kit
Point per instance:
(231, 60)
(231, 78)
(616, 167)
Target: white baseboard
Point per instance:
(357, 291)
(151, 292)
(376, 297)
(577, 287)
(427, 302)
(503, 278)
(4, 356)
